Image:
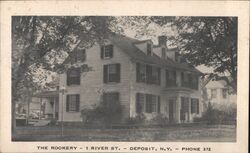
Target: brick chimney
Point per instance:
(162, 40)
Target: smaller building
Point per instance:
(49, 103)
(219, 93)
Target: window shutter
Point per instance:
(78, 79)
(105, 73)
(174, 72)
(159, 76)
(138, 107)
(182, 79)
(77, 103)
(149, 74)
(111, 47)
(68, 78)
(137, 72)
(167, 78)
(67, 104)
(159, 104)
(102, 52)
(118, 68)
(198, 108)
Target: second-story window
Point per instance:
(78, 56)
(148, 74)
(111, 73)
(140, 72)
(107, 51)
(73, 76)
(170, 78)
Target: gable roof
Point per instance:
(127, 45)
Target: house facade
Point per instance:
(219, 93)
(142, 77)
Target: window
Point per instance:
(194, 106)
(213, 93)
(149, 49)
(224, 93)
(73, 76)
(170, 78)
(72, 103)
(110, 98)
(111, 73)
(147, 103)
(78, 56)
(106, 51)
(148, 74)
(141, 72)
(185, 79)
(163, 52)
(195, 82)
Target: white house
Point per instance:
(142, 77)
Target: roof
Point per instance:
(127, 45)
(47, 94)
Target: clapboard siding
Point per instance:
(92, 85)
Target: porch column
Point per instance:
(189, 108)
(54, 107)
(178, 105)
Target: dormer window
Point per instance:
(106, 51)
(149, 49)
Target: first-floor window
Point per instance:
(195, 105)
(72, 103)
(147, 103)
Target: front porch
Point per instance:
(49, 104)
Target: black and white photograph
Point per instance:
(124, 78)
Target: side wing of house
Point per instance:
(109, 76)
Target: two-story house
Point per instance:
(142, 77)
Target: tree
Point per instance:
(44, 42)
(211, 41)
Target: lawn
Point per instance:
(215, 133)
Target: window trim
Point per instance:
(77, 103)
(69, 79)
(106, 73)
(105, 49)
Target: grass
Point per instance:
(225, 133)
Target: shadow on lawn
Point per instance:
(215, 133)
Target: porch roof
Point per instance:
(47, 94)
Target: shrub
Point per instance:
(215, 116)
(159, 119)
(139, 119)
(102, 114)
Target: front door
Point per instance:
(171, 110)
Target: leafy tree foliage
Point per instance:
(42, 42)
(211, 41)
